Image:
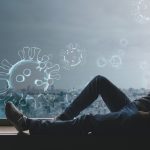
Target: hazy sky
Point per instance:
(96, 25)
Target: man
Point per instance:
(125, 116)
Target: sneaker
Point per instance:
(15, 117)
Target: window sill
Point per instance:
(6, 128)
(5, 122)
(10, 130)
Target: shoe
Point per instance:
(15, 117)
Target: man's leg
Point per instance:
(79, 126)
(113, 97)
(83, 125)
(115, 123)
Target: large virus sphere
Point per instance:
(32, 74)
(72, 56)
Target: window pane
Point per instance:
(50, 50)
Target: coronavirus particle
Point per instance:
(72, 56)
(115, 61)
(101, 62)
(30, 75)
(141, 11)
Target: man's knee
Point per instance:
(100, 78)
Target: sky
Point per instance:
(104, 28)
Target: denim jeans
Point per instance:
(121, 108)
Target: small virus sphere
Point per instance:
(101, 62)
(72, 56)
(30, 74)
(142, 11)
(115, 61)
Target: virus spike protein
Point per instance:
(26, 53)
(30, 75)
(6, 63)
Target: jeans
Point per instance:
(121, 108)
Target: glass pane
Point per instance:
(50, 50)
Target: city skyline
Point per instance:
(106, 33)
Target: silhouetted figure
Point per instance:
(125, 117)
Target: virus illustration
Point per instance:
(72, 56)
(115, 61)
(31, 75)
(101, 62)
(141, 11)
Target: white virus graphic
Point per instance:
(30, 74)
(115, 61)
(141, 11)
(43, 100)
(72, 56)
(101, 62)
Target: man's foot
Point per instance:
(15, 117)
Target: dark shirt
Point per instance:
(143, 103)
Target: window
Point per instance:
(50, 50)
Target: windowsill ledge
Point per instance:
(10, 130)
(6, 127)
